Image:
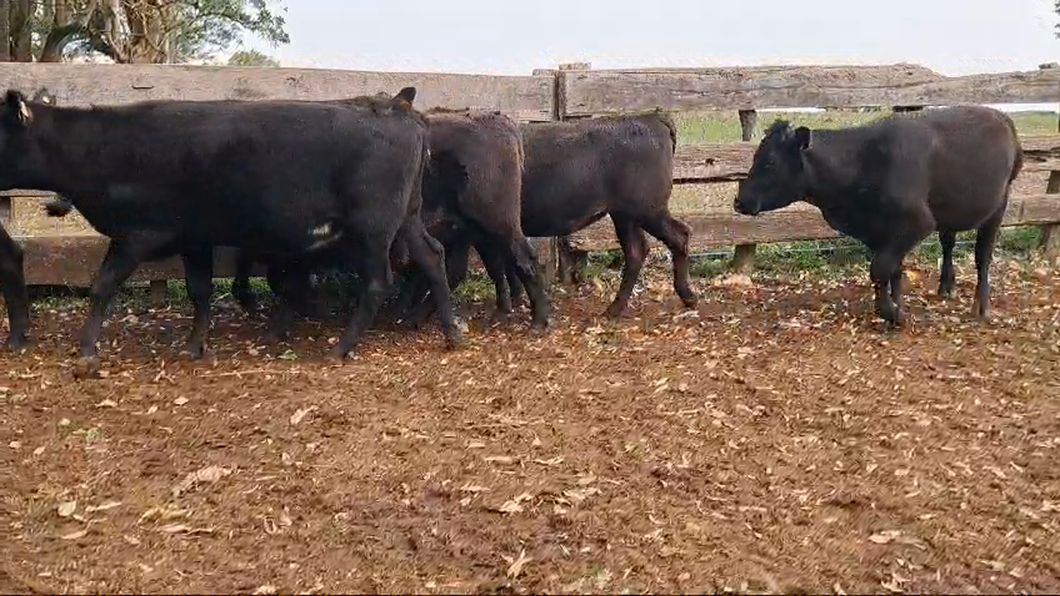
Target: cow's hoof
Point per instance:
(337, 355)
(538, 331)
(454, 339)
(17, 341)
(893, 317)
(87, 367)
(981, 311)
(500, 317)
(195, 352)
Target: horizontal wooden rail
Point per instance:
(592, 92)
(527, 98)
(720, 228)
(72, 260)
(721, 162)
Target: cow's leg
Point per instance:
(412, 292)
(947, 277)
(241, 283)
(528, 271)
(198, 275)
(985, 239)
(429, 256)
(496, 264)
(121, 260)
(457, 257)
(675, 234)
(886, 267)
(281, 318)
(514, 285)
(634, 250)
(373, 262)
(13, 285)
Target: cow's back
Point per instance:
(577, 171)
(975, 153)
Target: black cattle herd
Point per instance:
(374, 186)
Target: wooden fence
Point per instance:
(568, 92)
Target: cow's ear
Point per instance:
(803, 137)
(405, 97)
(16, 109)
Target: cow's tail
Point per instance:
(668, 121)
(1017, 163)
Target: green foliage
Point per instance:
(252, 58)
(151, 30)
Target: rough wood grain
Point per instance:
(610, 91)
(74, 259)
(727, 162)
(525, 98)
(723, 229)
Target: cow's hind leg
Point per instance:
(13, 285)
(121, 260)
(634, 250)
(241, 283)
(947, 277)
(429, 256)
(456, 268)
(675, 234)
(198, 275)
(528, 270)
(376, 276)
(985, 239)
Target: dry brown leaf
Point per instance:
(266, 589)
(180, 401)
(885, 536)
(104, 507)
(75, 535)
(66, 509)
(300, 414)
(504, 460)
(209, 474)
(515, 567)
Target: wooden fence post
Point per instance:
(743, 256)
(1050, 240)
(571, 262)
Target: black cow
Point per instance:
(288, 180)
(892, 182)
(487, 214)
(471, 197)
(578, 171)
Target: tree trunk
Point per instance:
(5, 31)
(21, 31)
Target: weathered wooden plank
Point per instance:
(74, 259)
(528, 98)
(610, 91)
(723, 162)
(723, 228)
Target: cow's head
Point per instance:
(16, 118)
(778, 174)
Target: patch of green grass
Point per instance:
(838, 256)
(724, 126)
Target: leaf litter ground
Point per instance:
(774, 440)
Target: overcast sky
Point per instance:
(494, 37)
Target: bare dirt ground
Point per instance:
(774, 441)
